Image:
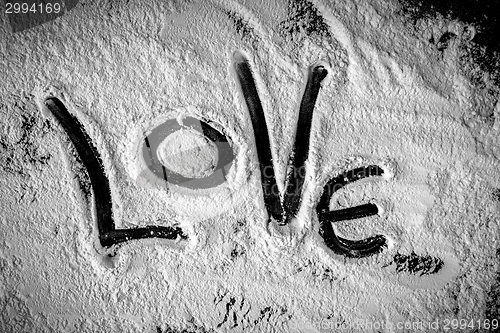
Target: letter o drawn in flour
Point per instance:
(201, 161)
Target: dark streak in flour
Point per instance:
(268, 313)
(477, 47)
(242, 26)
(237, 251)
(229, 305)
(445, 40)
(493, 298)
(239, 225)
(303, 18)
(236, 312)
(482, 48)
(317, 271)
(27, 142)
(262, 315)
(194, 329)
(17, 157)
(481, 14)
(81, 174)
(417, 264)
(496, 194)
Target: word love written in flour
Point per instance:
(161, 164)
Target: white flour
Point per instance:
(121, 69)
(188, 154)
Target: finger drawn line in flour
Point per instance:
(158, 169)
(346, 247)
(296, 173)
(272, 200)
(282, 212)
(336, 183)
(351, 213)
(108, 234)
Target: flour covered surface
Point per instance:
(250, 166)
